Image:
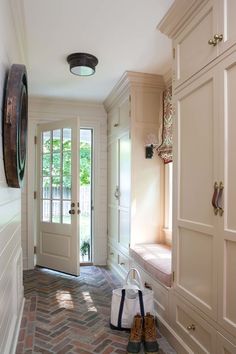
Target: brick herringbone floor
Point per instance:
(64, 314)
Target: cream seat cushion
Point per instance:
(155, 258)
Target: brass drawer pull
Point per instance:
(219, 201)
(191, 327)
(215, 198)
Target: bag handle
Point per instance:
(141, 304)
(139, 280)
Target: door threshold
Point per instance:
(86, 264)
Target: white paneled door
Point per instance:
(58, 191)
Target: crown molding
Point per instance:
(63, 106)
(131, 79)
(178, 16)
(18, 14)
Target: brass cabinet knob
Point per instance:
(191, 327)
(217, 38)
(212, 42)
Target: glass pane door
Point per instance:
(86, 138)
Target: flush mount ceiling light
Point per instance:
(82, 64)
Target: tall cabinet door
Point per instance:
(227, 255)
(124, 166)
(195, 171)
(113, 190)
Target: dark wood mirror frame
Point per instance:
(15, 122)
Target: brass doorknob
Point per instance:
(72, 211)
(191, 327)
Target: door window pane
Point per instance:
(56, 211)
(46, 210)
(46, 188)
(46, 142)
(66, 217)
(56, 164)
(66, 187)
(66, 163)
(56, 188)
(67, 139)
(56, 140)
(46, 164)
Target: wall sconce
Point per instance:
(150, 146)
(149, 151)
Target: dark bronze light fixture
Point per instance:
(82, 64)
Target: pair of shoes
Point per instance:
(143, 330)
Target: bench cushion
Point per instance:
(155, 259)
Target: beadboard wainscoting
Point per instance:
(11, 285)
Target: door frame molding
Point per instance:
(93, 120)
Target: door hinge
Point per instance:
(35, 194)
(173, 53)
(35, 249)
(130, 98)
(35, 140)
(173, 276)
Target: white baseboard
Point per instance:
(17, 329)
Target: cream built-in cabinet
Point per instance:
(135, 184)
(203, 300)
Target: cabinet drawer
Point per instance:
(224, 346)
(192, 50)
(198, 334)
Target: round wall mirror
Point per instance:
(15, 123)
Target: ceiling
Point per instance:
(122, 34)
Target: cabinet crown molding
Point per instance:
(178, 16)
(132, 79)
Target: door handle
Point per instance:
(219, 201)
(215, 198)
(117, 193)
(72, 211)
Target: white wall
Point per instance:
(43, 110)
(11, 288)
